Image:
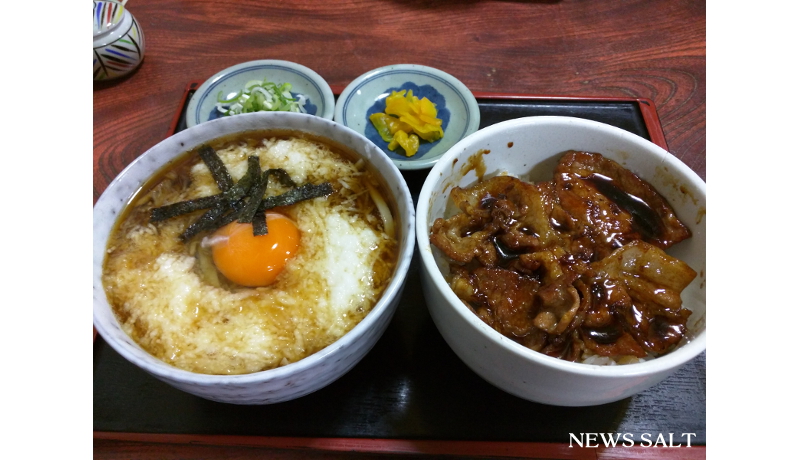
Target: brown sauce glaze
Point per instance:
(586, 251)
(645, 219)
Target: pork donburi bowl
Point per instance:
(564, 259)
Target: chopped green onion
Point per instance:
(258, 96)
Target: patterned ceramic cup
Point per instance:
(118, 40)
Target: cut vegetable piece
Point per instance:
(381, 123)
(406, 113)
(258, 96)
(383, 210)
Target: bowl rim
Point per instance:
(155, 366)
(100, 27)
(672, 360)
(470, 104)
(313, 77)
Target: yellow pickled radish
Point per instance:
(415, 118)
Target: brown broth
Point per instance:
(182, 163)
(175, 177)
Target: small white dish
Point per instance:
(319, 97)
(117, 39)
(455, 103)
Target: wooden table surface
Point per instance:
(653, 49)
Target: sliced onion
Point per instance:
(383, 210)
(276, 98)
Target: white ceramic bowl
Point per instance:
(282, 383)
(118, 41)
(319, 96)
(456, 105)
(529, 148)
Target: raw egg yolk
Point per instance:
(255, 260)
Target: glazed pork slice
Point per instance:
(515, 306)
(502, 212)
(636, 291)
(613, 205)
(570, 267)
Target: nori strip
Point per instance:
(183, 207)
(218, 170)
(295, 195)
(244, 184)
(254, 199)
(241, 200)
(260, 224)
(219, 216)
(206, 221)
(229, 217)
(283, 177)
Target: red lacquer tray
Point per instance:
(411, 393)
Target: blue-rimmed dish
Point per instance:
(456, 106)
(319, 99)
